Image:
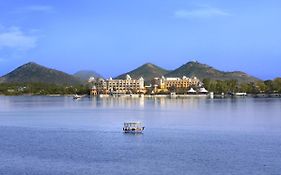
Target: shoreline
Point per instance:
(153, 96)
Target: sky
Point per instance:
(115, 36)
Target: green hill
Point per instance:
(84, 75)
(202, 71)
(148, 71)
(32, 72)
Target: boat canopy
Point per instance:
(132, 124)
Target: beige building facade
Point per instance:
(118, 86)
(165, 84)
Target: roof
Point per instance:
(136, 122)
(191, 90)
(203, 90)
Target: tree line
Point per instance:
(232, 86)
(41, 89)
(216, 86)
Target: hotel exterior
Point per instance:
(118, 86)
(136, 86)
(167, 84)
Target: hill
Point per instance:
(84, 75)
(32, 72)
(148, 71)
(202, 71)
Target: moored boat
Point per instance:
(77, 96)
(133, 127)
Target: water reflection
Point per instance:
(141, 103)
(110, 113)
(58, 135)
(113, 102)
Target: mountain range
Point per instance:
(33, 72)
(203, 71)
(190, 69)
(148, 71)
(84, 75)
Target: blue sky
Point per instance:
(112, 37)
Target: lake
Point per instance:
(188, 136)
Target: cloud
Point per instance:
(35, 8)
(14, 38)
(205, 12)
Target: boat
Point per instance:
(133, 127)
(240, 94)
(75, 97)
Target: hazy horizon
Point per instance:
(114, 37)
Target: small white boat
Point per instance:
(77, 96)
(133, 127)
(240, 94)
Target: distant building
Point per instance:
(167, 84)
(94, 91)
(99, 87)
(91, 79)
(119, 86)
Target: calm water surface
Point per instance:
(56, 135)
